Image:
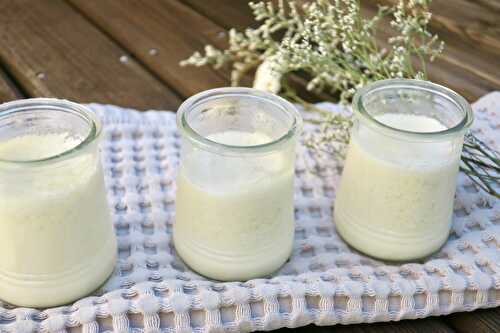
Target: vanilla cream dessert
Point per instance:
(394, 197)
(56, 238)
(234, 214)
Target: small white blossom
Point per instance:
(333, 43)
(336, 47)
(267, 78)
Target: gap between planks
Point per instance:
(9, 89)
(152, 52)
(174, 31)
(51, 50)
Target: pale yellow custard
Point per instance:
(56, 237)
(234, 216)
(394, 197)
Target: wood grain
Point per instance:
(171, 29)
(480, 321)
(226, 13)
(443, 71)
(458, 25)
(51, 50)
(8, 90)
(473, 20)
(433, 325)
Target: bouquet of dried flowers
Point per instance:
(334, 47)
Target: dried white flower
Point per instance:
(333, 44)
(267, 77)
(336, 47)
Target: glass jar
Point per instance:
(234, 203)
(56, 237)
(395, 199)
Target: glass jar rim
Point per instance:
(212, 94)
(420, 85)
(53, 104)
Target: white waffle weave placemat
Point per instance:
(325, 282)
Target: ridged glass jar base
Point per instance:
(227, 267)
(387, 245)
(59, 288)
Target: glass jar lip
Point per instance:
(211, 94)
(52, 104)
(434, 88)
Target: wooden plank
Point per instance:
(52, 50)
(160, 34)
(464, 52)
(476, 21)
(226, 13)
(468, 57)
(406, 326)
(479, 321)
(441, 71)
(466, 84)
(8, 90)
(489, 4)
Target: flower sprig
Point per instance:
(335, 47)
(250, 48)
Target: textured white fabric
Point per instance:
(325, 282)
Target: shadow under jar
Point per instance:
(395, 199)
(56, 237)
(234, 202)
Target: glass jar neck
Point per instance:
(413, 99)
(238, 109)
(45, 117)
